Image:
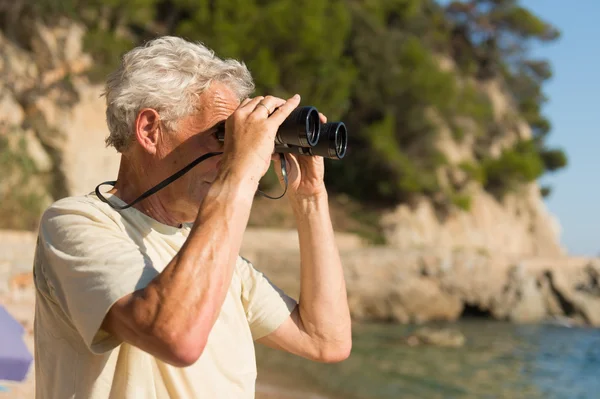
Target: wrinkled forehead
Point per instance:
(217, 103)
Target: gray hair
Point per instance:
(166, 74)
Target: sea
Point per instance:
(497, 360)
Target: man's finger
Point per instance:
(323, 118)
(285, 110)
(251, 104)
(245, 101)
(269, 104)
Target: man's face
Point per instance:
(195, 136)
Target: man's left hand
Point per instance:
(305, 174)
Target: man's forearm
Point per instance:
(182, 303)
(323, 305)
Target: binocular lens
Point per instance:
(333, 142)
(301, 128)
(341, 141)
(313, 128)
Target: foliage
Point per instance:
(517, 165)
(106, 49)
(545, 191)
(374, 64)
(553, 159)
(462, 201)
(22, 202)
(496, 34)
(475, 171)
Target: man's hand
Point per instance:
(305, 174)
(250, 134)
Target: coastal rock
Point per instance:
(12, 114)
(46, 99)
(520, 226)
(443, 337)
(263, 238)
(419, 286)
(527, 302)
(76, 136)
(578, 291)
(517, 225)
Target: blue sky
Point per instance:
(574, 110)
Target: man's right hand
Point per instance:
(250, 134)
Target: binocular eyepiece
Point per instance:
(303, 133)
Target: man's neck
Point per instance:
(130, 186)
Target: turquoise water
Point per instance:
(498, 360)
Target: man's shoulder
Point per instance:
(77, 207)
(74, 201)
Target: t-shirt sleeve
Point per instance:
(89, 263)
(266, 305)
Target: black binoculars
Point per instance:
(303, 133)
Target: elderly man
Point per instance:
(153, 301)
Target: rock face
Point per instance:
(46, 99)
(420, 286)
(519, 226)
(82, 157)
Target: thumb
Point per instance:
(289, 163)
(277, 165)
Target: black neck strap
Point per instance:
(176, 176)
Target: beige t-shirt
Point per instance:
(88, 256)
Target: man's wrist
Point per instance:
(306, 205)
(236, 183)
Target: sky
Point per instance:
(574, 111)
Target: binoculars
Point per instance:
(303, 133)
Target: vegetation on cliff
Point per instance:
(377, 65)
(21, 201)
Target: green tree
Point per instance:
(373, 64)
(498, 33)
(289, 46)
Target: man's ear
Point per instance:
(148, 129)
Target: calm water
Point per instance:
(499, 360)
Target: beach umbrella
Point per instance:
(15, 358)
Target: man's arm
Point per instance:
(320, 327)
(172, 316)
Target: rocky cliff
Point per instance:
(519, 225)
(500, 258)
(515, 224)
(417, 286)
(46, 99)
